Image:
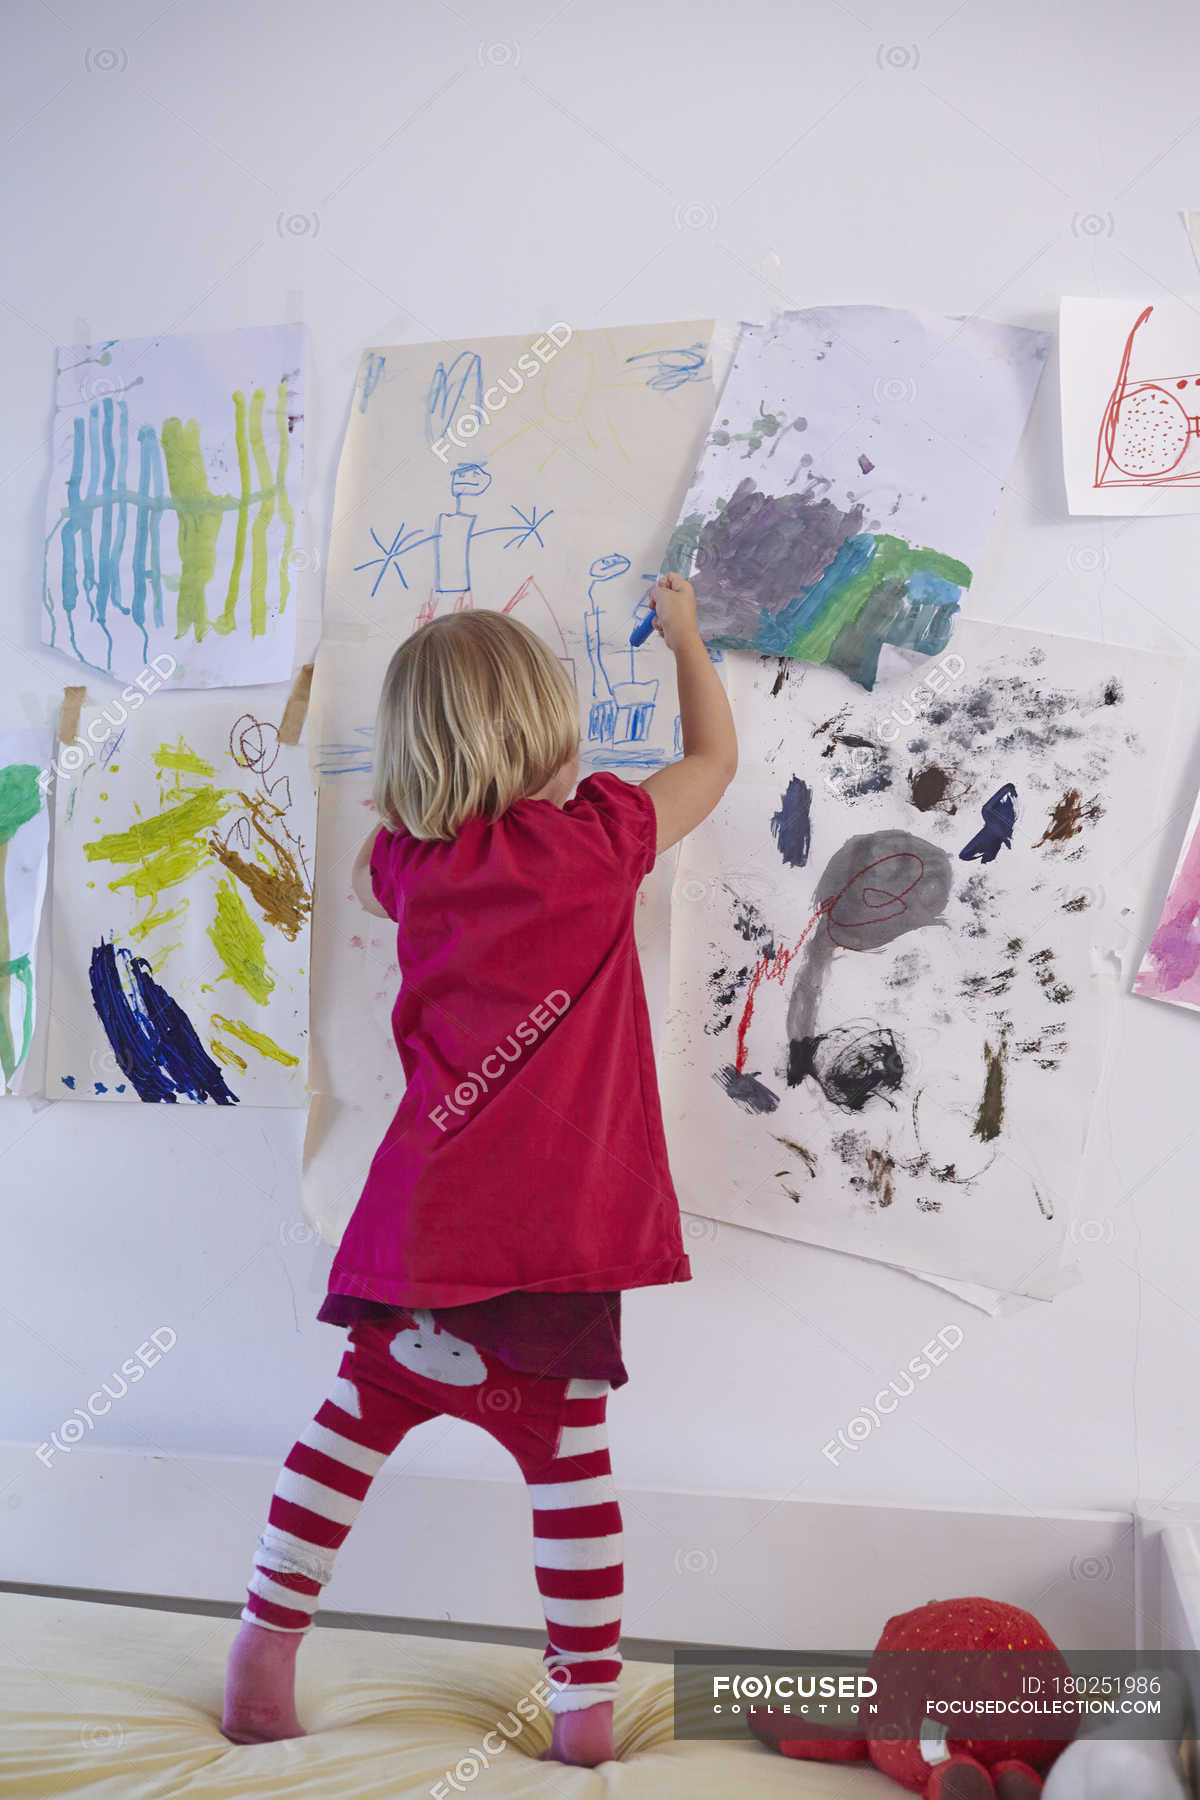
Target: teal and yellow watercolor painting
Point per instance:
(183, 897)
(24, 837)
(848, 482)
(174, 504)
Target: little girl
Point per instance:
(523, 1182)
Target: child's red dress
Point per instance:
(527, 1156)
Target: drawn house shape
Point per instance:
(1150, 428)
(533, 609)
(530, 605)
(635, 710)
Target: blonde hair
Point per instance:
(475, 713)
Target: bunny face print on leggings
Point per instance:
(425, 1349)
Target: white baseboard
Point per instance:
(700, 1568)
(1169, 1561)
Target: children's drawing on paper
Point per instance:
(667, 369)
(453, 392)
(619, 714)
(1130, 405)
(849, 480)
(453, 538)
(895, 1006)
(1149, 428)
(24, 839)
(182, 906)
(617, 711)
(174, 504)
(582, 428)
(537, 476)
(1171, 966)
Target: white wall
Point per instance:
(394, 173)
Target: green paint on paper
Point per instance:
(19, 969)
(228, 618)
(20, 801)
(167, 830)
(144, 927)
(239, 944)
(893, 561)
(199, 514)
(175, 863)
(257, 1040)
(167, 848)
(20, 798)
(229, 1057)
(765, 426)
(285, 506)
(181, 759)
(7, 1053)
(266, 512)
(680, 554)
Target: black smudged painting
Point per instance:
(896, 1004)
(875, 889)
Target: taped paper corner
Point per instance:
(68, 716)
(296, 710)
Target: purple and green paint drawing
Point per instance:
(796, 575)
(848, 483)
(174, 504)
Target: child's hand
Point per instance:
(674, 610)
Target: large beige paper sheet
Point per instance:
(538, 476)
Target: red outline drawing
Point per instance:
(1147, 430)
(541, 617)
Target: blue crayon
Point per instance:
(642, 629)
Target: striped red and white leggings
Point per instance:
(391, 1379)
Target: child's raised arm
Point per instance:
(685, 792)
(360, 878)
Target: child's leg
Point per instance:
(580, 1573)
(317, 1497)
(321, 1487)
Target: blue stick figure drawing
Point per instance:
(619, 713)
(452, 537)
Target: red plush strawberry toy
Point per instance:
(950, 1650)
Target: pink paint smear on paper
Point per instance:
(1171, 967)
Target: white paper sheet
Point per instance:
(1130, 379)
(174, 507)
(885, 1028)
(535, 475)
(184, 840)
(847, 486)
(24, 842)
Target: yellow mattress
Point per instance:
(125, 1702)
